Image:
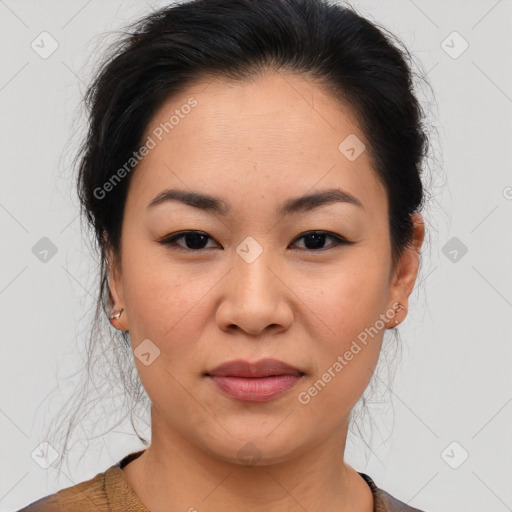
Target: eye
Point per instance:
(314, 240)
(196, 240)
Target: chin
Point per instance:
(255, 446)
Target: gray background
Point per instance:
(453, 382)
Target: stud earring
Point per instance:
(115, 315)
(400, 307)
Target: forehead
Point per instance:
(277, 134)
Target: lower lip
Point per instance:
(255, 389)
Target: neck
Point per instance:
(174, 474)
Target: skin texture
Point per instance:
(255, 144)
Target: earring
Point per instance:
(115, 315)
(400, 307)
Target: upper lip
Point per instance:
(261, 368)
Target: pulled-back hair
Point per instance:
(360, 64)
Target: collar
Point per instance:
(122, 497)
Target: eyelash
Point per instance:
(171, 240)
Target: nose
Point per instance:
(254, 298)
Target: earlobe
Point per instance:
(396, 318)
(114, 318)
(117, 315)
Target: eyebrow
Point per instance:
(294, 205)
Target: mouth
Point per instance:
(256, 382)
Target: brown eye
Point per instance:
(315, 240)
(193, 240)
(196, 241)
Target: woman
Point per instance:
(252, 172)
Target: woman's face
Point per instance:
(256, 285)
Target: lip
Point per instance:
(256, 382)
(261, 368)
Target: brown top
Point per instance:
(110, 491)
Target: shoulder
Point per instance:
(108, 491)
(384, 502)
(88, 495)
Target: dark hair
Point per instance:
(167, 51)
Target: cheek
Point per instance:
(348, 299)
(350, 330)
(161, 296)
(169, 305)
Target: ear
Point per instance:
(115, 283)
(406, 271)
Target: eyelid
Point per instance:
(170, 240)
(338, 240)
